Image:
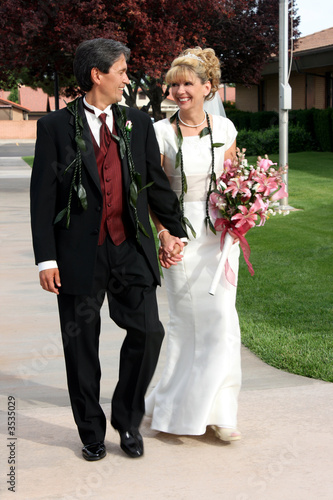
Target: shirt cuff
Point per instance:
(47, 264)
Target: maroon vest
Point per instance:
(114, 206)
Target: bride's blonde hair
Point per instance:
(203, 63)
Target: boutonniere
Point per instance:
(128, 127)
(76, 165)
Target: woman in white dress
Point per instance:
(201, 380)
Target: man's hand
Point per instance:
(170, 250)
(50, 280)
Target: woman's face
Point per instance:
(189, 92)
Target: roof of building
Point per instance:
(319, 40)
(311, 51)
(38, 100)
(35, 99)
(4, 94)
(10, 104)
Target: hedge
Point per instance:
(261, 142)
(316, 124)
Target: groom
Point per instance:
(92, 237)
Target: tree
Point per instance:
(41, 36)
(157, 30)
(14, 96)
(244, 34)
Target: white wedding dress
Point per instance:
(202, 376)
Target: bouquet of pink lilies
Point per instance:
(245, 196)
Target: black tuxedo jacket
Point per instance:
(75, 248)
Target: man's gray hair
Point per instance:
(100, 53)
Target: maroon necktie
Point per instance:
(104, 134)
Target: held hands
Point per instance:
(50, 280)
(170, 250)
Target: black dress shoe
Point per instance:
(131, 443)
(94, 451)
(138, 437)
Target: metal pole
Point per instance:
(284, 93)
(56, 91)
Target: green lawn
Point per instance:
(28, 159)
(285, 309)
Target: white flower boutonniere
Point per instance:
(128, 126)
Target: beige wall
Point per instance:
(17, 115)
(5, 113)
(12, 114)
(247, 98)
(271, 95)
(24, 129)
(308, 91)
(297, 83)
(319, 93)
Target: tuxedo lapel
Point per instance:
(88, 156)
(124, 162)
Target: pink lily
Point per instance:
(217, 203)
(281, 193)
(260, 208)
(246, 217)
(265, 163)
(238, 185)
(227, 165)
(266, 184)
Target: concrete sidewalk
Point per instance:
(286, 420)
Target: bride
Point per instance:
(201, 380)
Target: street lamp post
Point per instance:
(56, 90)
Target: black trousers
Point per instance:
(122, 273)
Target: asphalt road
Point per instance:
(16, 149)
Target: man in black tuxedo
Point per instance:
(92, 237)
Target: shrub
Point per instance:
(299, 139)
(316, 122)
(229, 105)
(304, 118)
(264, 120)
(322, 119)
(267, 141)
(245, 120)
(241, 119)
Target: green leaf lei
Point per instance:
(180, 163)
(124, 148)
(76, 164)
(136, 182)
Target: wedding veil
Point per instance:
(215, 106)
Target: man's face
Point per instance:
(113, 83)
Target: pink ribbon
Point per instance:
(225, 224)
